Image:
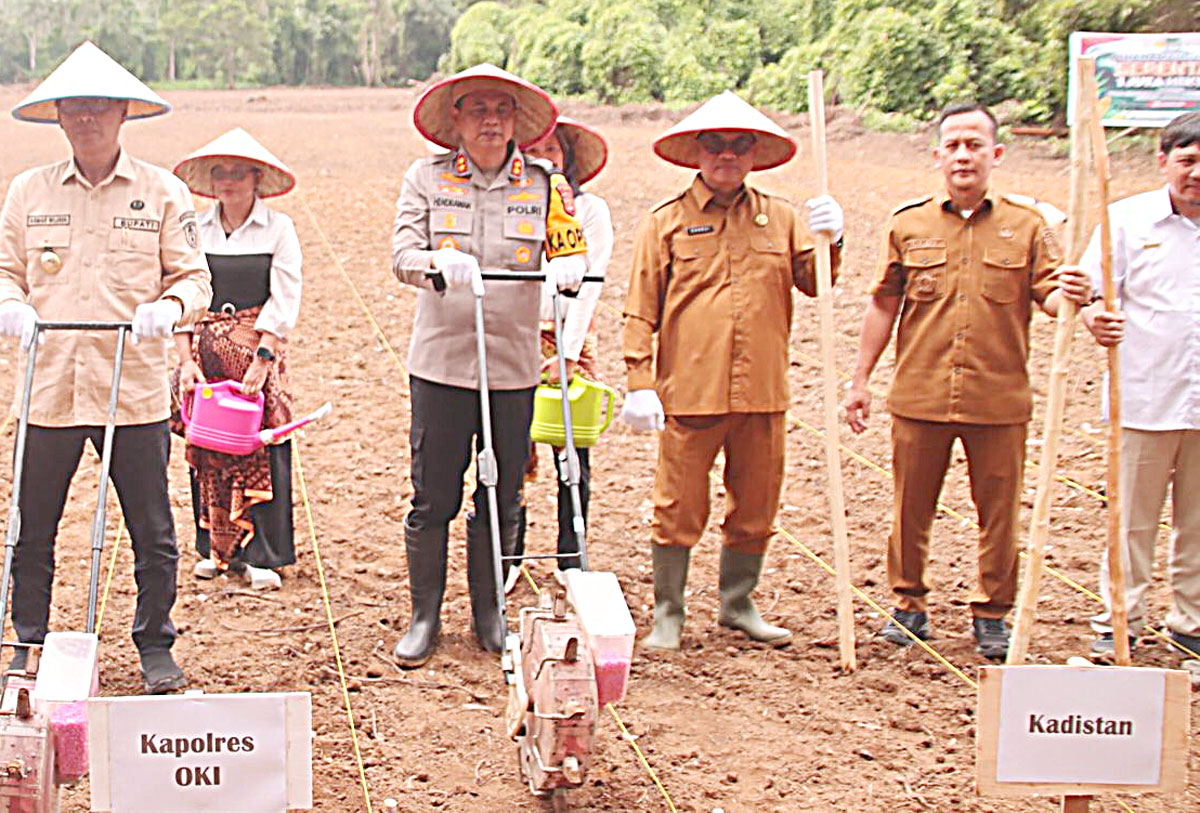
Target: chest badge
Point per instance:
(1007, 233)
(926, 284)
(50, 261)
(761, 219)
(137, 205)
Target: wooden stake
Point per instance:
(1076, 804)
(1064, 332)
(833, 460)
(1116, 568)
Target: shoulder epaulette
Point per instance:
(909, 204)
(1024, 201)
(665, 201)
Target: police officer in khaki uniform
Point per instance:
(100, 236)
(962, 269)
(480, 204)
(713, 271)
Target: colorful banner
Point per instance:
(1147, 79)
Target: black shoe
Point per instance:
(19, 659)
(991, 637)
(1105, 643)
(914, 620)
(1189, 642)
(159, 672)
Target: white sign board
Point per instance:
(196, 752)
(1066, 727)
(1147, 79)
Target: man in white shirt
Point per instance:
(1156, 268)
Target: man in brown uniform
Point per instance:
(713, 269)
(100, 236)
(962, 268)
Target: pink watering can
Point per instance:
(221, 419)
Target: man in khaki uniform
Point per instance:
(480, 204)
(101, 236)
(713, 269)
(962, 268)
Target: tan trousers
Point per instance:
(754, 451)
(1150, 461)
(920, 457)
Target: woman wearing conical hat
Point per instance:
(243, 503)
(103, 237)
(481, 204)
(581, 152)
(713, 272)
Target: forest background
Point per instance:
(896, 61)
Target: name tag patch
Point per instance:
(925, 242)
(453, 203)
(694, 230)
(48, 220)
(136, 223)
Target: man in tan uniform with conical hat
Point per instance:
(100, 236)
(713, 269)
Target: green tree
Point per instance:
(622, 58)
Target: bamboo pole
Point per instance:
(833, 460)
(1064, 332)
(1116, 567)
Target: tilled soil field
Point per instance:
(724, 724)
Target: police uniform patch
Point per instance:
(453, 203)
(518, 169)
(524, 183)
(519, 197)
(447, 242)
(449, 220)
(568, 198)
(461, 166)
(693, 230)
(523, 254)
(454, 179)
(457, 191)
(191, 234)
(525, 227)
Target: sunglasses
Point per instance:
(715, 144)
(235, 174)
(86, 106)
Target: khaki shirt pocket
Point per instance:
(40, 243)
(133, 256)
(1004, 274)
(694, 260)
(451, 228)
(925, 269)
(768, 256)
(524, 237)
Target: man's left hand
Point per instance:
(565, 273)
(824, 214)
(1075, 284)
(156, 320)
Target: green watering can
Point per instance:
(591, 412)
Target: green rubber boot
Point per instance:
(670, 579)
(739, 577)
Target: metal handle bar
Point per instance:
(83, 325)
(439, 281)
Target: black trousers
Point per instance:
(139, 473)
(445, 421)
(273, 544)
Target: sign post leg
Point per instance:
(1076, 804)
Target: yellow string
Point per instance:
(112, 566)
(353, 288)
(337, 651)
(641, 757)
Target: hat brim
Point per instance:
(589, 147)
(536, 112)
(682, 148)
(197, 174)
(45, 111)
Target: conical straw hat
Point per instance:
(725, 112)
(589, 147)
(535, 110)
(237, 144)
(89, 72)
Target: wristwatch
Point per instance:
(265, 354)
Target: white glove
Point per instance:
(565, 273)
(156, 320)
(643, 411)
(457, 267)
(18, 319)
(825, 215)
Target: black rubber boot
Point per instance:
(481, 580)
(426, 551)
